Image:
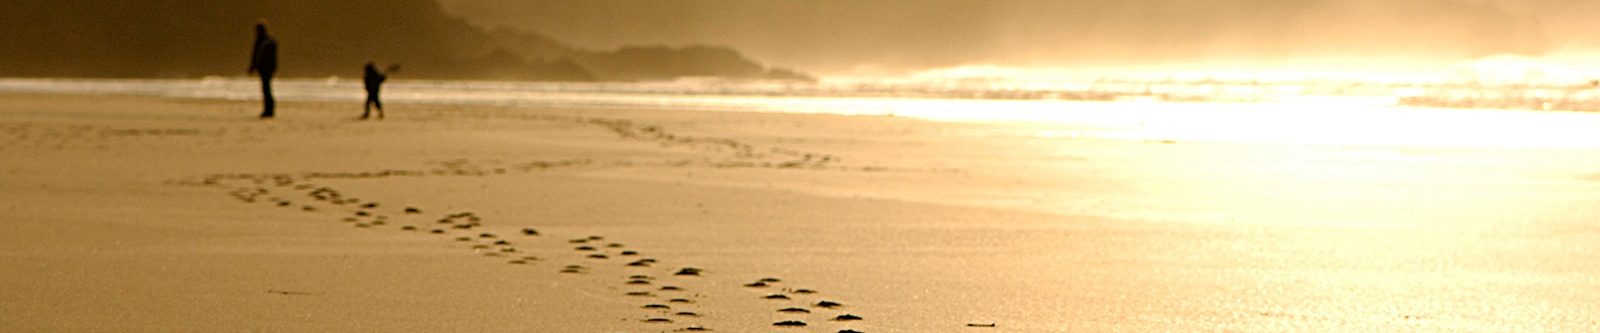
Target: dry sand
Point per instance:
(144, 214)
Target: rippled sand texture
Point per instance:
(143, 214)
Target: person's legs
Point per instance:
(366, 107)
(378, 103)
(266, 96)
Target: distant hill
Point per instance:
(193, 38)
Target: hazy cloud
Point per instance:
(838, 35)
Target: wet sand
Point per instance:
(146, 214)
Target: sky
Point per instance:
(898, 36)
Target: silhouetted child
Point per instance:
(264, 61)
(374, 80)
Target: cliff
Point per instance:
(193, 38)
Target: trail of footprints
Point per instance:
(665, 296)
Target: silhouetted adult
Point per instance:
(264, 61)
(374, 80)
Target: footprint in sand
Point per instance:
(790, 323)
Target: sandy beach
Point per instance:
(146, 214)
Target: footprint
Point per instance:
(680, 300)
(847, 317)
(794, 310)
(790, 323)
(656, 306)
(658, 321)
(688, 271)
(529, 232)
(828, 304)
(777, 297)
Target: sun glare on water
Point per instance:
(1501, 101)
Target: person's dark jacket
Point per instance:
(264, 59)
